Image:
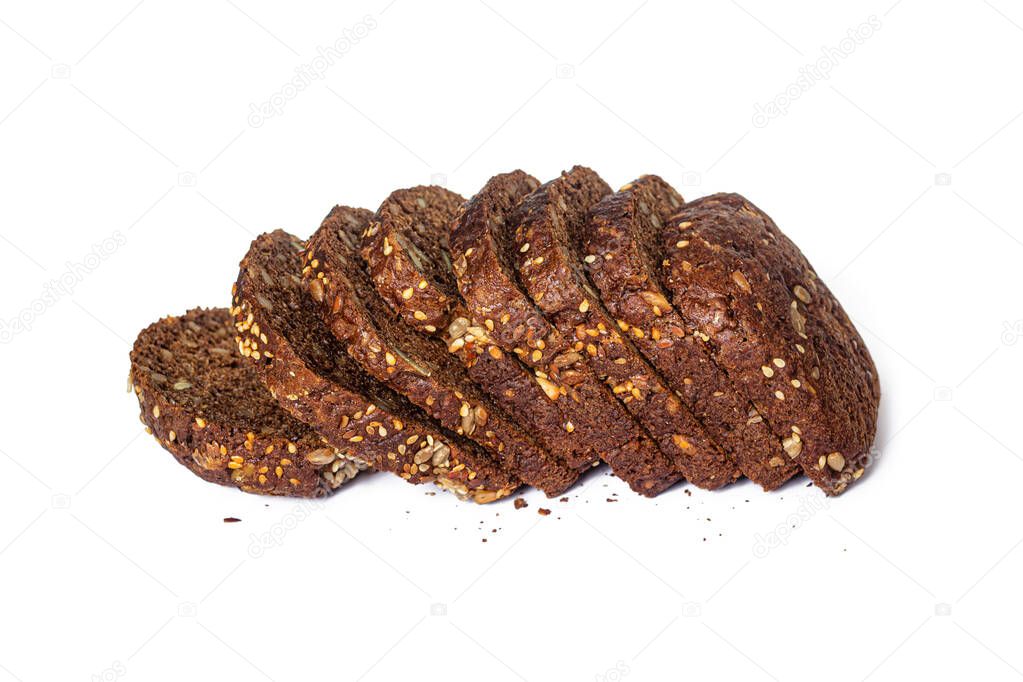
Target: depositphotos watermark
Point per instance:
(64, 286)
(275, 534)
(809, 507)
(815, 72)
(310, 72)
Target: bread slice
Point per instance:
(779, 333)
(417, 366)
(482, 241)
(620, 246)
(405, 248)
(207, 406)
(551, 269)
(309, 372)
(417, 283)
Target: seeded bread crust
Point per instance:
(778, 332)
(551, 268)
(482, 243)
(417, 282)
(620, 243)
(417, 366)
(207, 406)
(309, 372)
(405, 248)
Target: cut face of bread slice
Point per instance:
(778, 332)
(485, 258)
(206, 405)
(405, 248)
(620, 244)
(417, 366)
(309, 372)
(551, 270)
(418, 284)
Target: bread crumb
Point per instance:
(543, 512)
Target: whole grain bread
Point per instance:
(778, 332)
(620, 244)
(415, 365)
(310, 373)
(485, 254)
(206, 405)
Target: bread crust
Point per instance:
(206, 405)
(620, 245)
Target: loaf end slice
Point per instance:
(206, 405)
(779, 332)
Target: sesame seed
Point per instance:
(584, 306)
(768, 372)
(419, 315)
(779, 395)
(778, 362)
(524, 248)
(407, 293)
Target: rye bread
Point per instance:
(778, 332)
(406, 251)
(621, 248)
(405, 248)
(482, 243)
(415, 365)
(206, 405)
(309, 372)
(551, 269)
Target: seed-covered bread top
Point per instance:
(405, 248)
(205, 404)
(417, 366)
(778, 331)
(309, 371)
(619, 243)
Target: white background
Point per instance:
(899, 175)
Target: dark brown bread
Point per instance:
(206, 405)
(482, 242)
(417, 366)
(417, 282)
(551, 269)
(311, 375)
(620, 245)
(778, 332)
(405, 248)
